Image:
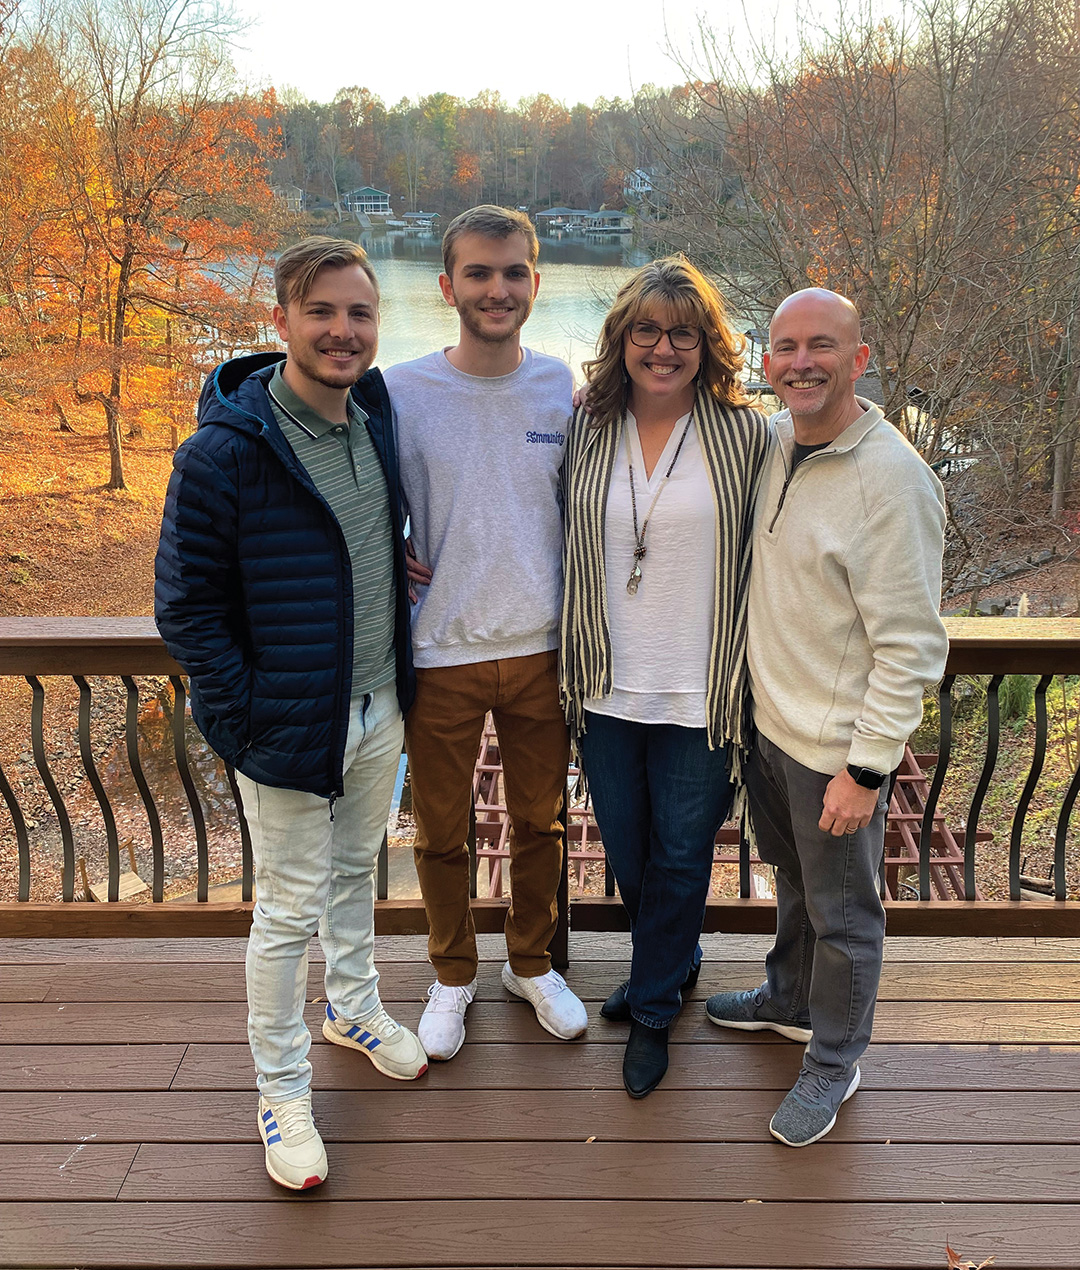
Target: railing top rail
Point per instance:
(131, 645)
(83, 646)
(1013, 646)
(18, 632)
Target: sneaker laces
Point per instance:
(294, 1119)
(814, 1089)
(444, 998)
(384, 1027)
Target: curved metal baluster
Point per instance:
(471, 843)
(22, 838)
(86, 753)
(37, 733)
(609, 873)
(179, 730)
(1029, 786)
(382, 869)
(993, 737)
(926, 833)
(1062, 830)
(744, 860)
(246, 871)
(157, 841)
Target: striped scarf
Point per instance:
(733, 441)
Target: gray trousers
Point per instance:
(830, 924)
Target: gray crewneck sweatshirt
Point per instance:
(479, 460)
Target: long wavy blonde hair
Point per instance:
(692, 300)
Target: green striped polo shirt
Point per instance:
(341, 459)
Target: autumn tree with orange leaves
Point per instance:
(141, 179)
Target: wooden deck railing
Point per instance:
(129, 650)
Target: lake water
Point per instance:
(578, 281)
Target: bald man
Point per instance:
(844, 636)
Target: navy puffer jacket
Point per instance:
(253, 591)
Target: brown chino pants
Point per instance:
(442, 736)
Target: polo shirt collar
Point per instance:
(301, 413)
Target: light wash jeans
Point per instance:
(313, 873)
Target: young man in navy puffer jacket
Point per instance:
(281, 590)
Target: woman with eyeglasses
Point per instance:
(661, 463)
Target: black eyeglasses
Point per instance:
(647, 335)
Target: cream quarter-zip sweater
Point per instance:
(844, 632)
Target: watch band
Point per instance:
(866, 776)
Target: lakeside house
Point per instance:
(370, 201)
(291, 197)
(563, 218)
(584, 219)
(638, 185)
(646, 190)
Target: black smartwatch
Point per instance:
(866, 776)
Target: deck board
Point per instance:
(127, 1117)
(58, 1067)
(51, 1171)
(592, 981)
(585, 1233)
(635, 1170)
(512, 1022)
(497, 1115)
(717, 1066)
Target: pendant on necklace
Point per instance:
(635, 578)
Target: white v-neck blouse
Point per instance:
(660, 637)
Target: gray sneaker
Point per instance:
(809, 1111)
(750, 1012)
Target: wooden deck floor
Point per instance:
(127, 1123)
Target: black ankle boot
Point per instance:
(616, 1009)
(645, 1060)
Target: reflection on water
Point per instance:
(578, 281)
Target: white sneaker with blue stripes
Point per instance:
(295, 1156)
(393, 1049)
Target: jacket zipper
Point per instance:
(303, 478)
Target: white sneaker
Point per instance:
(295, 1156)
(393, 1049)
(442, 1025)
(557, 1008)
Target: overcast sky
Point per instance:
(572, 50)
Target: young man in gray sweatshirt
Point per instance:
(843, 637)
(481, 431)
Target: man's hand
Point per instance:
(847, 806)
(419, 574)
(581, 396)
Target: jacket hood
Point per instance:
(234, 393)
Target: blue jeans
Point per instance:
(313, 873)
(830, 924)
(660, 794)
